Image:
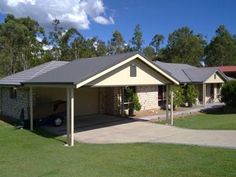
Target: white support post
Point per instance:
(68, 116)
(31, 109)
(204, 94)
(72, 117)
(122, 101)
(167, 103)
(171, 108)
(215, 93)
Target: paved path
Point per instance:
(183, 113)
(140, 131)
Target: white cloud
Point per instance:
(71, 13)
(103, 20)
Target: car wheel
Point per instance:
(58, 121)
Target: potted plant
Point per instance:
(133, 101)
(134, 105)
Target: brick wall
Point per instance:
(12, 107)
(110, 100)
(148, 97)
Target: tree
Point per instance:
(149, 52)
(117, 43)
(67, 50)
(185, 47)
(222, 49)
(137, 39)
(157, 40)
(55, 38)
(19, 47)
(101, 48)
(228, 93)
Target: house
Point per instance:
(229, 71)
(208, 80)
(89, 86)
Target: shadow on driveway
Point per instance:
(90, 122)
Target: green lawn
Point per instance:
(23, 153)
(208, 121)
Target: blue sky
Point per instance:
(163, 17)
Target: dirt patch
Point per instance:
(151, 112)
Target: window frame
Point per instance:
(133, 70)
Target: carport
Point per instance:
(101, 73)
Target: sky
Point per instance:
(102, 17)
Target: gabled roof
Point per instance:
(200, 75)
(185, 73)
(176, 70)
(81, 70)
(23, 76)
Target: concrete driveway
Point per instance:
(140, 131)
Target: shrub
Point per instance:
(135, 101)
(132, 97)
(178, 95)
(191, 95)
(228, 93)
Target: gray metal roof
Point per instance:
(200, 74)
(185, 73)
(176, 70)
(80, 70)
(23, 76)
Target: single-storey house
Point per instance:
(88, 86)
(97, 86)
(207, 80)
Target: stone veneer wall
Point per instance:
(148, 97)
(12, 107)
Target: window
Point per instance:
(214, 76)
(133, 70)
(13, 93)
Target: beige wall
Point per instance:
(48, 94)
(215, 78)
(121, 76)
(148, 97)
(86, 99)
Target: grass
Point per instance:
(208, 121)
(25, 154)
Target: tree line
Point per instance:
(24, 44)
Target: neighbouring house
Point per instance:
(88, 86)
(229, 71)
(207, 80)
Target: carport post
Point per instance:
(122, 101)
(204, 94)
(171, 107)
(72, 117)
(68, 115)
(31, 109)
(167, 103)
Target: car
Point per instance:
(50, 113)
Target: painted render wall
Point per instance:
(148, 97)
(121, 77)
(215, 78)
(12, 107)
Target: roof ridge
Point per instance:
(187, 74)
(48, 64)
